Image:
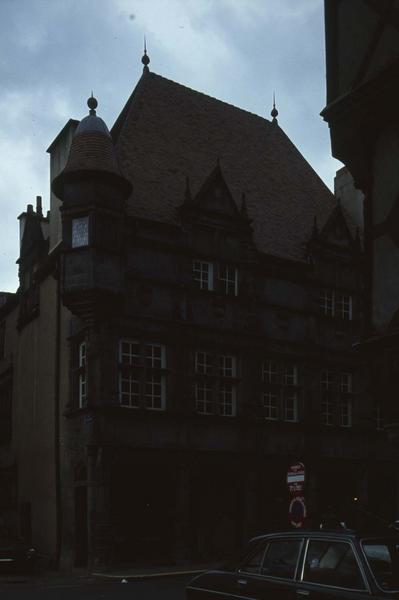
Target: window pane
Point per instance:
(203, 363)
(270, 371)
(203, 274)
(229, 279)
(227, 366)
(80, 232)
(270, 405)
(346, 383)
(327, 303)
(327, 380)
(290, 375)
(203, 397)
(332, 563)
(327, 411)
(130, 353)
(227, 399)
(281, 559)
(345, 412)
(291, 407)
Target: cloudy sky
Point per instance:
(54, 52)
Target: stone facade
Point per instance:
(181, 334)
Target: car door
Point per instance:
(331, 570)
(275, 579)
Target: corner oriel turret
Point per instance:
(93, 191)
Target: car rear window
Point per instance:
(383, 559)
(332, 563)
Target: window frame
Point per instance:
(229, 285)
(144, 373)
(207, 283)
(217, 373)
(82, 375)
(74, 231)
(336, 304)
(280, 380)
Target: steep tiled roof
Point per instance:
(167, 132)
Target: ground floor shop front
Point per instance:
(136, 506)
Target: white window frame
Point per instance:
(291, 407)
(336, 304)
(345, 411)
(290, 375)
(147, 387)
(345, 382)
(270, 405)
(227, 399)
(343, 306)
(269, 371)
(228, 276)
(327, 302)
(80, 232)
(204, 398)
(203, 274)
(203, 363)
(327, 380)
(327, 411)
(82, 381)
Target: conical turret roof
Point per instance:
(92, 151)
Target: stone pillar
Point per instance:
(250, 524)
(183, 525)
(100, 532)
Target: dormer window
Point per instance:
(211, 276)
(203, 274)
(228, 278)
(80, 232)
(336, 304)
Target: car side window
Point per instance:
(332, 563)
(253, 560)
(281, 558)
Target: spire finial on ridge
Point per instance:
(274, 111)
(92, 104)
(145, 58)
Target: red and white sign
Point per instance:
(296, 473)
(297, 511)
(296, 478)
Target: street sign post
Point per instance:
(296, 489)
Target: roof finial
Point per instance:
(274, 111)
(92, 104)
(145, 58)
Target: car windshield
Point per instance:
(383, 558)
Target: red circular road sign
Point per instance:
(297, 511)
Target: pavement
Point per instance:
(131, 573)
(111, 575)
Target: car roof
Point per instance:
(329, 533)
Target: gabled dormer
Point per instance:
(335, 254)
(214, 205)
(335, 239)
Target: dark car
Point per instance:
(318, 564)
(16, 556)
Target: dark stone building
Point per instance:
(182, 332)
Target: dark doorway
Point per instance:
(81, 541)
(216, 505)
(143, 507)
